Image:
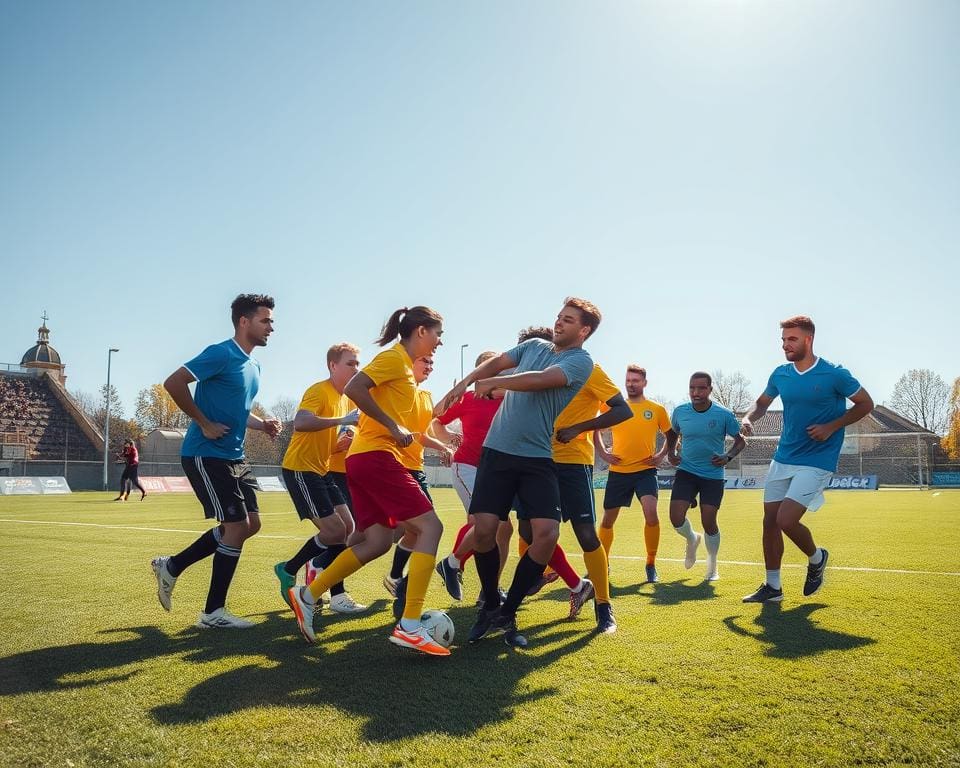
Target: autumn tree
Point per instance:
(951, 441)
(155, 409)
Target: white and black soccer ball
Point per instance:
(439, 626)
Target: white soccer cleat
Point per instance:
(343, 603)
(165, 582)
(691, 557)
(222, 619)
(712, 573)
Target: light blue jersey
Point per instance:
(703, 436)
(816, 396)
(524, 422)
(227, 382)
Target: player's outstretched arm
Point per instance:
(553, 377)
(308, 421)
(619, 412)
(759, 408)
(486, 369)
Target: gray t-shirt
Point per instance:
(523, 425)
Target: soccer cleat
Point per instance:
(691, 557)
(765, 594)
(165, 582)
(606, 625)
(452, 579)
(500, 591)
(222, 619)
(304, 612)
(400, 598)
(418, 640)
(501, 622)
(815, 575)
(482, 625)
(547, 578)
(652, 576)
(579, 599)
(343, 603)
(712, 573)
(286, 581)
(390, 584)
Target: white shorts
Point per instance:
(464, 476)
(804, 485)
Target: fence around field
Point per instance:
(897, 459)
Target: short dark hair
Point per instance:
(589, 314)
(702, 375)
(535, 332)
(802, 322)
(247, 304)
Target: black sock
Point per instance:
(488, 569)
(203, 547)
(527, 573)
(225, 561)
(323, 561)
(308, 551)
(400, 558)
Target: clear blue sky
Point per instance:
(700, 170)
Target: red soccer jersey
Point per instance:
(132, 456)
(475, 417)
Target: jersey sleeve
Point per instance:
(316, 402)
(675, 420)
(208, 363)
(663, 421)
(603, 387)
(771, 390)
(733, 424)
(577, 369)
(845, 383)
(386, 366)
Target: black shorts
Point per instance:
(687, 485)
(577, 503)
(421, 477)
(131, 472)
(226, 488)
(503, 476)
(314, 495)
(340, 478)
(621, 487)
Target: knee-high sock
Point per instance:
(712, 542)
(488, 569)
(651, 535)
(225, 561)
(310, 549)
(461, 535)
(345, 564)
(559, 563)
(418, 579)
(203, 547)
(596, 563)
(523, 546)
(400, 558)
(606, 539)
(527, 573)
(686, 530)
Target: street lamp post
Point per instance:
(106, 422)
(462, 347)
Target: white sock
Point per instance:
(454, 563)
(773, 579)
(579, 588)
(816, 557)
(712, 543)
(409, 625)
(686, 530)
(307, 596)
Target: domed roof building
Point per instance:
(42, 355)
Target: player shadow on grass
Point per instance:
(792, 634)
(397, 693)
(681, 591)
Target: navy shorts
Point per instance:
(687, 485)
(313, 494)
(226, 488)
(577, 504)
(532, 480)
(622, 486)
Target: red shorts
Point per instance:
(383, 491)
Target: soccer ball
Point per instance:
(439, 626)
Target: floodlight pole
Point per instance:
(462, 347)
(106, 422)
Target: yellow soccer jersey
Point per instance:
(395, 391)
(584, 406)
(311, 451)
(636, 439)
(420, 417)
(338, 459)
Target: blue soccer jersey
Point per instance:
(703, 436)
(227, 382)
(816, 396)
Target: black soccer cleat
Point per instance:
(400, 598)
(765, 594)
(452, 579)
(507, 624)
(482, 625)
(606, 625)
(815, 574)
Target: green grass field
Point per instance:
(94, 673)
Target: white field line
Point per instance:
(613, 557)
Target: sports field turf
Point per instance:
(94, 673)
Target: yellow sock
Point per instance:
(345, 564)
(606, 539)
(596, 562)
(651, 535)
(418, 579)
